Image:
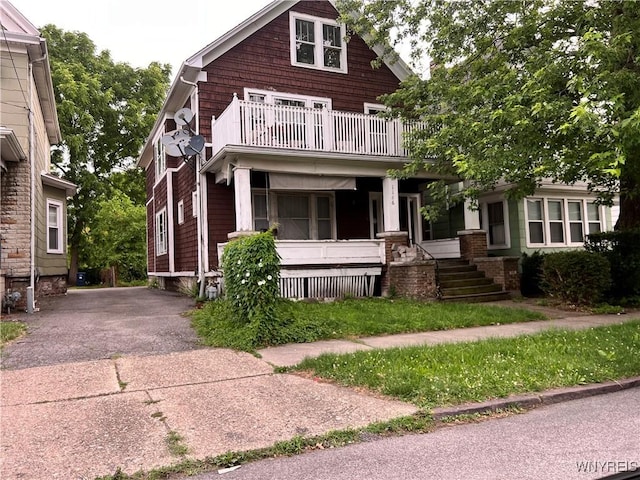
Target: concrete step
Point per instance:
(477, 298)
(457, 269)
(450, 276)
(465, 282)
(471, 290)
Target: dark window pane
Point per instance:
(331, 57)
(576, 232)
(557, 232)
(304, 53)
(536, 234)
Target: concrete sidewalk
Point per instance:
(292, 354)
(85, 419)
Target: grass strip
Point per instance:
(301, 322)
(450, 374)
(10, 331)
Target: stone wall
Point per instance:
(503, 271)
(473, 243)
(391, 239)
(416, 279)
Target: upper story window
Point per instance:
(317, 43)
(159, 157)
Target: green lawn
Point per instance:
(432, 376)
(308, 322)
(10, 331)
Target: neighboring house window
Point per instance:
(180, 212)
(561, 222)
(299, 216)
(54, 227)
(159, 157)
(161, 232)
(494, 215)
(317, 43)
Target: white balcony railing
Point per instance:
(281, 126)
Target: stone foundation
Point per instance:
(473, 244)
(391, 239)
(502, 270)
(416, 279)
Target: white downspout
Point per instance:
(199, 220)
(31, 291)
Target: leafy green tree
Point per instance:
(117, 234)
(106, 110)
(520, 91)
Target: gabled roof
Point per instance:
(191, 68)
(17, 30)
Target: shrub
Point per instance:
(251, 267)
(577, 277)
(622, 249)
(531, 278)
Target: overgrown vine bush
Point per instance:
(577, 277)
(251, 268)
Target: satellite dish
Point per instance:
(176, 143)
(196, 144)
(183, 116)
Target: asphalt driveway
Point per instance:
(100, 324)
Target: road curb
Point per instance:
(548, 397)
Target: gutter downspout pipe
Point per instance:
(201, 272)
(32, 184)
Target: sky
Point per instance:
(137, 32)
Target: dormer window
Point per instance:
(317, 43)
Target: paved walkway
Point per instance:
(292, 354)
(79, 420)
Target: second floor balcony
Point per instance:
(255, 124)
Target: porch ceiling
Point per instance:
(301, 162)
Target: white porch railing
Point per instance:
(326, 252)
(340, 267)
(445, 248)
(301, 128)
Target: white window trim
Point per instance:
(159, 157)
(194, 204)
(180, 212)
(484, 211)
(271, 96)
(546, 224)
(161, 240)
(374, 106)
(319, 51)
(272, 206)
(60, 226)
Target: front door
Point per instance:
(410, 219)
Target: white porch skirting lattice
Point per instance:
(329, 283)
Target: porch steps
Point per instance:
(459, 281)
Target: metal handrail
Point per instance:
(438, 290)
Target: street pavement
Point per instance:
(105, 377)
(578, 440)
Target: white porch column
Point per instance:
(471, 217)
(242, 186)
(391, 204)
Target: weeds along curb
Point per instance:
(529, 401)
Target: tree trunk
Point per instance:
(629, 194)
(73, 267)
